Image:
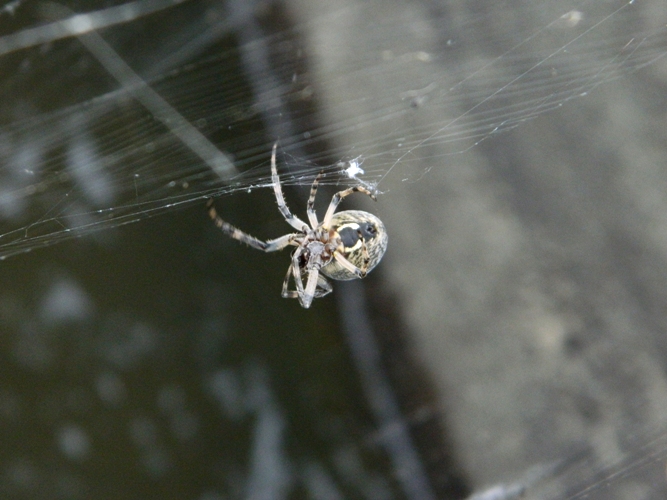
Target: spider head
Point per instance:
(352, 226)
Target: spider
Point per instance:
(344, 246)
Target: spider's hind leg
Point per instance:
(286, 292)
(322, 288)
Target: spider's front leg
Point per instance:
(338, 197)
(233, 232)
(310, 207)
(291, 219)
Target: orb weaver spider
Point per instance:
(344, 246)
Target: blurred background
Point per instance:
(511, 343)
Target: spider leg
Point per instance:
(324, 286)
(298, 282)
(286, 292)
(233, 232)
(364, 253)
(338, 197)
(311, 288)
(315, 280)
(294, 272)
(310, 208)
(292, 220)
(360, 273)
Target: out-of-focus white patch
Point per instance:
(65, 301)
(500, 492)
(73, 442)
(87, 167)
(225, 387)
(11, 203)
(572, 18)
(21, 158)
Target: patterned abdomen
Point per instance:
(348, 225)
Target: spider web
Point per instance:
(157, 129)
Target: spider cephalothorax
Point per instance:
(344, 246)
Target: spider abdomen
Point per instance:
(350, 226)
